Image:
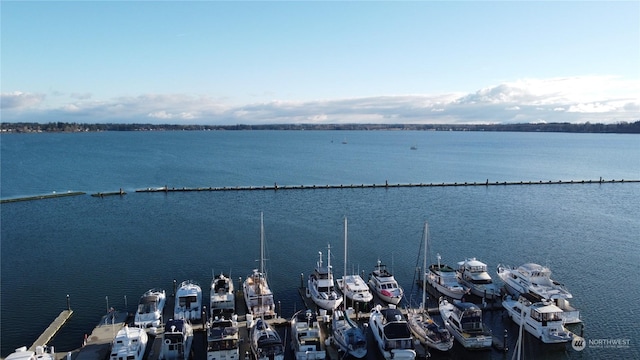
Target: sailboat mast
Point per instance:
(345, 247)
(424, 267)
(261, 243)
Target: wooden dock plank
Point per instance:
(52, 330)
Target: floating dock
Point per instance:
(98, 344)
(52, 330)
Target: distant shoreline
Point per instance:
(618, 128)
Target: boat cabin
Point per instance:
(396, 331)
(467, 317)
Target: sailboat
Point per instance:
(347, 335)
(353, 286)
(257, 294)
(422, 326)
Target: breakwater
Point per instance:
(276, 187)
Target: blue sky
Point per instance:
(209, 62)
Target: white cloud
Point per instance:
(20, 100)
(573, 99)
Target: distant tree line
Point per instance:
(622, 127)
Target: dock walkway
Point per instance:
(98, 344)
(52, 330)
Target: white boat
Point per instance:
(320, 286)
(347, 335)
(384, 284)
(176, 340)
(41, 353)
(536, 279)
(473, 274)
(464, 321)
(542, 318)
(257, 294)
(223, 339)
(391, 333)
(150, 308)
(188, 305)
(307, 337)
(443, 278)
(353, 286)
(129, 344)
(265, 342)
(222, 299)
(422, 326)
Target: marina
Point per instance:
(123, 246)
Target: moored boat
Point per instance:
(222, 298)
(384, 284)
(347, 335)
(223, 339)
(536, 279)
(129, 344)
(321, 287)
(353, 286)
(150, 309)
(464, 321)
(176, 340)
(265, 341)
(443, 278)
(257, 294)
(188, 305)
(40, 353)
(307, 337)
(422, 326)
(473, 274)
(391, 333)
(542, 318)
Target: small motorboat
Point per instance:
(41, 353)
(307, 337)
(391, 332)
(150, 308)
(223, 339)
(464, 321)
(384, 284)
(188, 304)
(473, 274)
(222, 300)
(320, 286)
(129, 343)
(443, 278)
(176, 340)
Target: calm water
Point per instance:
(93, 248)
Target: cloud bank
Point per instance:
(596, 99)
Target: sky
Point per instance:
(317, 62)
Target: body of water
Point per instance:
(92, 248)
